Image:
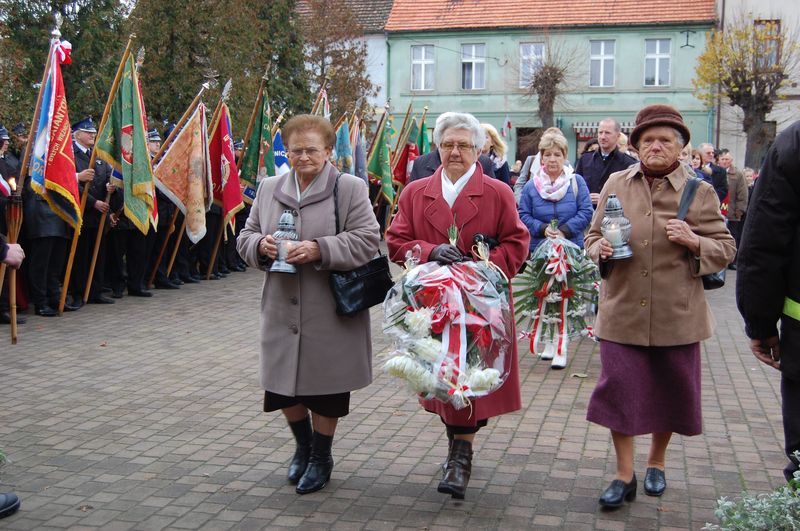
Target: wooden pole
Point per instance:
(400, 137)
(318, 100)
(178, 239)
(277, 125)
(178, 126)
(163, 249)
(85, 195)
(251, 123)
(14, 219)
(215, 250)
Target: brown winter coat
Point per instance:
(306, 349)
(656, 298)
(737, 194)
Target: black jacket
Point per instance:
(427, 164)
(39, 220)
(97, 188)
(769, 255)
(719, 179)
(595, 170)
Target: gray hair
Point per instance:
(459, 120)
(679, 136)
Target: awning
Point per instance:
(587, 130)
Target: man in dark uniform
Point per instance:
(235, 262)
(718, 174)
(96, 178)
(9, 169)
(768, 281)
(595, 166)
(155, 239)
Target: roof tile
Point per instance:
(420, 15)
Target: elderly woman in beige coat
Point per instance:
(311, 358)
(653, 312)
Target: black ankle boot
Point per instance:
(302, 436)
(457, 470)
(320, 465)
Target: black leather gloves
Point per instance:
(488, 240)
(446, 254)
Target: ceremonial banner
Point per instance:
(122, 143)
(423, 144)
(224, 175)
(379, 165)
(408, 153)
(281, 160)
(258, 161)
(5, 189)
(52, 168)
(360, 152)
(344, 151)
(184, 173)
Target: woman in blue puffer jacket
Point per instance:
(554, 192)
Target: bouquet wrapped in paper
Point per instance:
(555, 297)
(452, 328)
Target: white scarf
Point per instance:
(552, 191)
(450, 190)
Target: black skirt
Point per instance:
(334, 406)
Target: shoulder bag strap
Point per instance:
(336, 201)
(687, 197)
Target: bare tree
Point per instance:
(747, 63)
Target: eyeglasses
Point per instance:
(461, 146)
(311, 152)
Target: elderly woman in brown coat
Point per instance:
(653, 311)
(311, 358)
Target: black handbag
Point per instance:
(363, 287)
(711, 280)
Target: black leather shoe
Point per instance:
(139, 293)
(5, 318)
(166, 285)
(73, 307)
(9, 503)
(224, 271)
(101, 299)
(618, 492)
(176, 280)
(117, 294)
(239, 268)
(46, 311)
(188, 279)
(654, 482)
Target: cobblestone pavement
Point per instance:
(146, 415)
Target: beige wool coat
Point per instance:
(656, 297)
(306, 349)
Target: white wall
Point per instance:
(377, 58)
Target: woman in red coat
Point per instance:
(459, 194)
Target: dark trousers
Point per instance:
(205, 247)
(129, 252)
(735, 228)
(82, 263)
(45, 266)
(790, 399)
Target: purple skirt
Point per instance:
(648, 389)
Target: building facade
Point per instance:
(450, 56)
(785, 17)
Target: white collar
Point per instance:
(450, 190)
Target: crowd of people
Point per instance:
(652, 314)
(126, 259)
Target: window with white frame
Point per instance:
(657, 62)
(422, 65)
(601, 60)
(531, 58)
(473, 66)
(768, 44)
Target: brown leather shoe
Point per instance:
(458, 469)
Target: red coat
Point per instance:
(485, 206)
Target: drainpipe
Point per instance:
(388, 70)
(719, 98)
